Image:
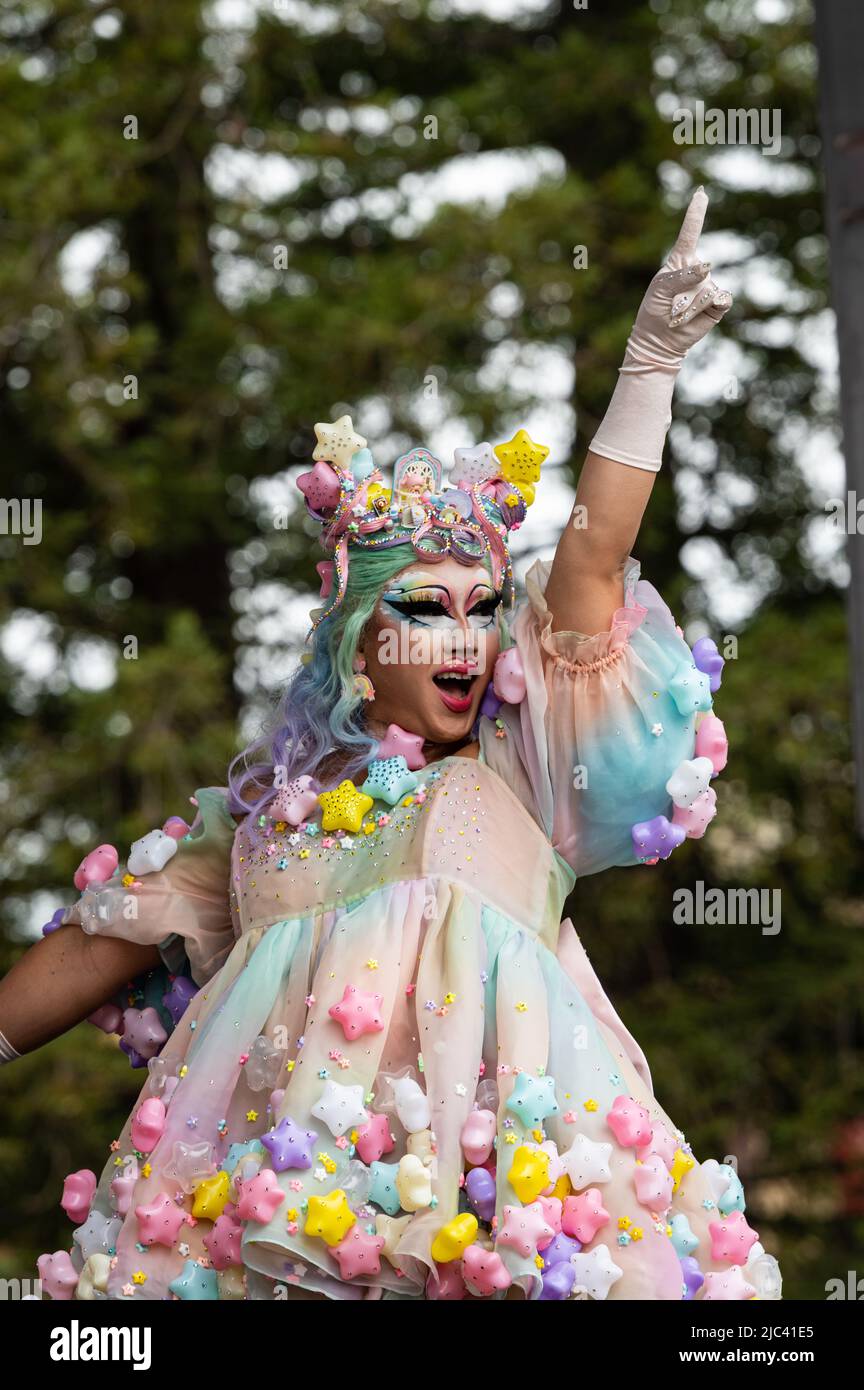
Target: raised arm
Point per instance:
(681, 306)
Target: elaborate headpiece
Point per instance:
(487, 496)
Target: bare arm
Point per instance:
(62, 979)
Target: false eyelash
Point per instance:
(486, 607)
(412, 608)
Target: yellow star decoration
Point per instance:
(344, 808)
(183, 1070)
(376, 490)
(537, 1136)
(681, 1165)
(211, 1194)
(562, 1188)
(371, 963)
(139, 1277)
(329, 1217)
(450, 998)
(127, 880)
(146, 1170)
(623, 1223)
(637, 1233)
(291, 1214)
(327, 1162)
(369, 827)
(590, 1105)
(304, 854)
(509, 1138)
(521, 1007)
(280, 827)
(337, 441)
(289, 1066)
(529, 1173)
(539, 1262)
(521, 460)
(252, 1115)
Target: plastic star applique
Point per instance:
(338, 441)
(358, 1012)
(344, 808)
(521, 460)
(388, 779)
(532, 1099)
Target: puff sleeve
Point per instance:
(606, 723)
(181, 908)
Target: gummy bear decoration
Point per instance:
(411, 1103)
(480, 1190)
(96, 867)
(264, 1064)
(78, 1191)
(413, 1183)
(148, 1125)
(690, 780)
(151, 853)
(295, 802)
(508, 677)
(478, 1135)
(711, 742)
(484, 1271)
(178, 998)
(708, 659)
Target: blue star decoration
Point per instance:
(383, 1191)
(388, 779)
(195, 1283)
(533, 1099)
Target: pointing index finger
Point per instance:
(691, 228)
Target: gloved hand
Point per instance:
(682, 304)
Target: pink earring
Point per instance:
(362, 684)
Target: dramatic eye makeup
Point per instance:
(431, 605)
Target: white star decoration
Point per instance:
(596, 1271)
(586, 1162)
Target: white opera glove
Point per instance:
(681, 305)
(7, 1051)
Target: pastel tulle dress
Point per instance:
(474, 1114)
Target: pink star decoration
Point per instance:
(260, 1197)
(358, 1012)
(583, 1216)
(223, 1242)
(653, 1183)
(731, 1238)
(358, 1253)
(374, 1139)
(726, 1287)
(159, 1221)
(397, 741)
(524, 1228)
(629, 1122)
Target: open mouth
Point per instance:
(456, 688)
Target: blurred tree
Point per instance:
(222, 223)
